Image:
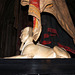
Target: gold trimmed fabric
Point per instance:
(34, 10)
(59, 9)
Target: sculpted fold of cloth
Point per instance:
(56, 7)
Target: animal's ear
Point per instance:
(30, 31)
(24, 32)
(27, 31)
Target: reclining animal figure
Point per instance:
(30, 50)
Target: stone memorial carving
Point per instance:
(30, 50)
(59, 9)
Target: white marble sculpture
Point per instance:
(30, 50)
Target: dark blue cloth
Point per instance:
(54, 35)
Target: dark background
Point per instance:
(13, 18)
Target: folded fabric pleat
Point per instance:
(56, 7)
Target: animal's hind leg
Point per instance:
(62, 53)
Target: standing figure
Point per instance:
(59, 10)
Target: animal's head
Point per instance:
(25, 34)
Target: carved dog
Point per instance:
(38, 50)
(30, 50)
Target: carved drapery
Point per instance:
(59, 9)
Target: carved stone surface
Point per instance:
(31, 50)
